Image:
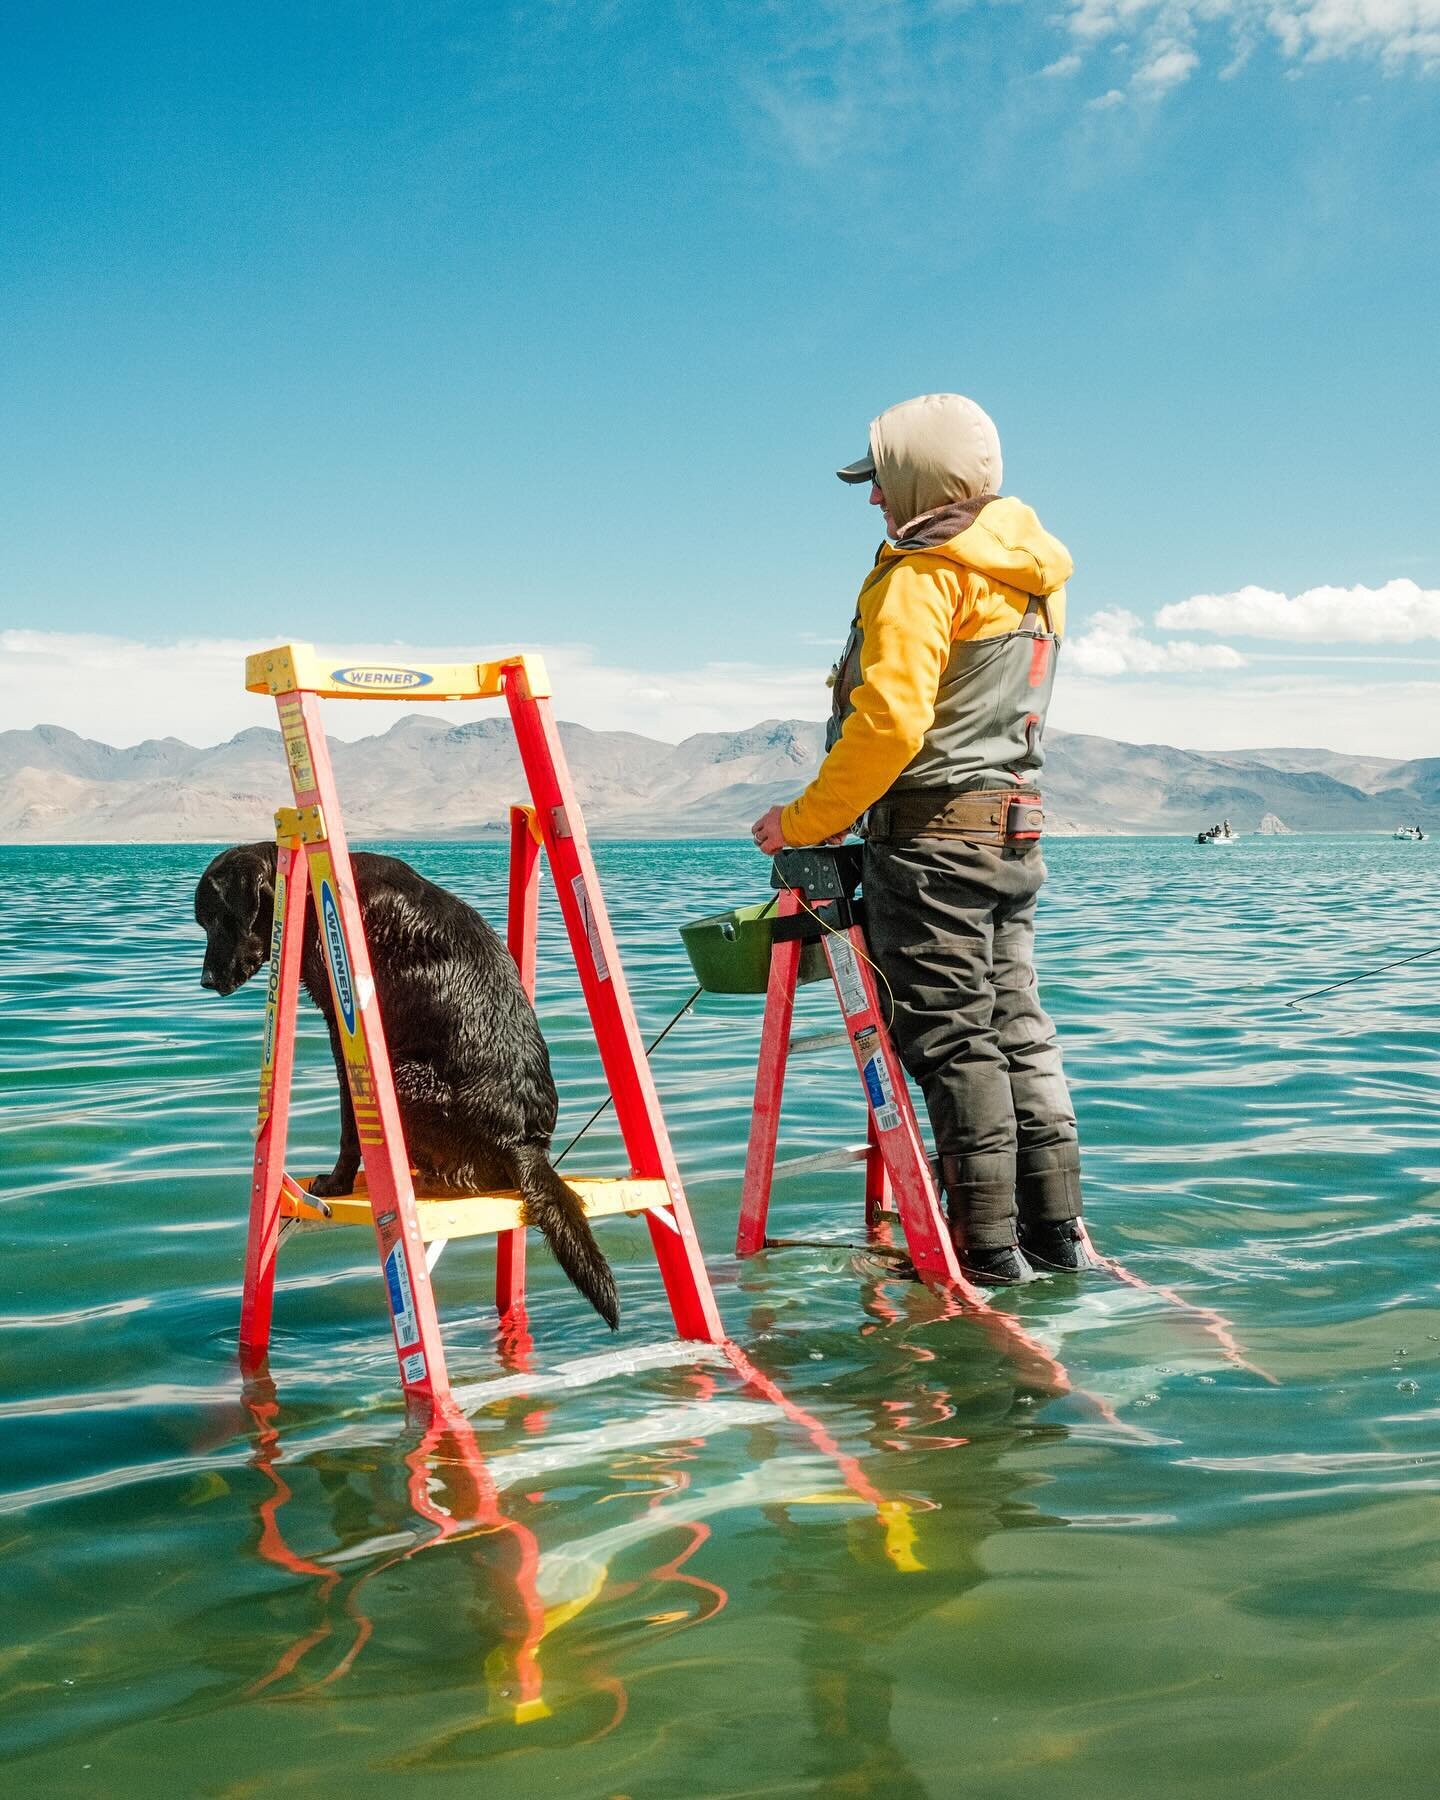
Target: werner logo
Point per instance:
(339, 961)
(381, 678)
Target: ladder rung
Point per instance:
(483, 1215)
(818, 1040)
(823, 1159)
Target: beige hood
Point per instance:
(929, 452)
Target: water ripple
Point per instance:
(893, 1544)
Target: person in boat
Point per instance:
(933, 748)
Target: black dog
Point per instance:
(472, 1073)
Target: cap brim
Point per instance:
(856, 472)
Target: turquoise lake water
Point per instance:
(1178, 1579)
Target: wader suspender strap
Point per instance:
(1039, 611)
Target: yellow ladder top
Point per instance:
(291, 667)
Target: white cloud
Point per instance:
(1160, 36)
(1063, 65)
(1247, 712)
(1400, 612)
(1112, 645)
(1165, 67)
(122, 691)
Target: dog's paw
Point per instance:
(333, 1186)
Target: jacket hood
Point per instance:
(933, 450)
(999, 538)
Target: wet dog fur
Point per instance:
(472, 1073)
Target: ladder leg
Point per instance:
(521, 931)
(637, 1106)
(893, 1125)
(277, 1066)
(879, 1198)
(367, 1060)
(769, 1086)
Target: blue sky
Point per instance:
(470, 325)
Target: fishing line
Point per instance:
(1364, 975)
(835, 931)
(609, 1099)
(695, 994)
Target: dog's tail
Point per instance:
(556, 1211)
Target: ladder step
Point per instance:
(484, 1215)
(818, 1040)
(822, 1159)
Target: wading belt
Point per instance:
(1005, 818)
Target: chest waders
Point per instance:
(952, 870)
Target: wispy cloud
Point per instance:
(1114, 644)
(857, 79)
(1247, 710)
(850, 72)
(1400, 612)
(1161, 41)
(121, 691)
(1164, 67)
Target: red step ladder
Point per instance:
(311, 843)
(816, 899)
(814, 902)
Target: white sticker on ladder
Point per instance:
(402, 1299)
(876, 1076)
(592, 928)
(847, 975)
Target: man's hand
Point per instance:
(767, 833)
(769, 838)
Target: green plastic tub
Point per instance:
(730, 951)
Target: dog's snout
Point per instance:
(207, 979)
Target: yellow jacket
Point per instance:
(920, 605)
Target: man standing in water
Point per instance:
(932, 751)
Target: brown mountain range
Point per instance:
(424, 779)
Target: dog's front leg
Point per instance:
(341, 1179)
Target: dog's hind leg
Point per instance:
(556, 1211)
(341, 1179)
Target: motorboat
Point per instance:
(1218, 834)
(1408, 834)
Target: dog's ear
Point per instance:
(260, 889)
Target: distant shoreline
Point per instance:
(498, 839)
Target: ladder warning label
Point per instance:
(402, 1301)
(297, 749)
(412, 1368)
(878, 1088)
(848, 984)
(592, 928)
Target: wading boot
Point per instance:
(1005, 1267)
(980, 1202)
(1058, 1245)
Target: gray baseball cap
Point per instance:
(864, 470)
